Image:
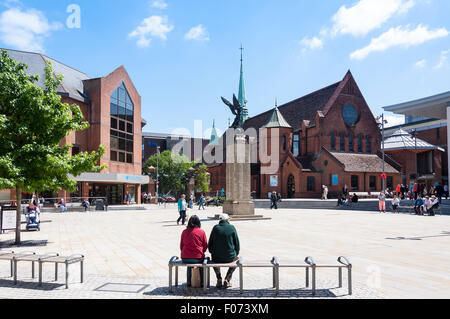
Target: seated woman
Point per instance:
(193, 246)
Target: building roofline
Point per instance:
(430, 99)
(46, 56)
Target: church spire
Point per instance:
(214, 136)
(241, 97)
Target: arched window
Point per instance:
(360, 143)
(368, 146)
(342, 142)
(122, 126)
(350, 143)
(333, 142)
(284, 143)
(296, 145)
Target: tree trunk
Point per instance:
(18, 215)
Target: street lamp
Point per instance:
(381, 121)
(157, 173)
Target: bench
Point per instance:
(32, 257)
(274, 263)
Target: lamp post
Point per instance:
(383, 121)
(157, 172)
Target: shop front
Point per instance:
(114, 187)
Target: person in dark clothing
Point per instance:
(439, 190)
(274, 201)
(345, 191)
(224, 248)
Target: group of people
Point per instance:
(421, 206)
(183, 206)
(146, 198)
(421, 189)
(274, 200)
(223, 246)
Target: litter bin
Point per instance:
(100, 204)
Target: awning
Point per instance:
(112, 178)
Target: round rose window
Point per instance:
(350, 115)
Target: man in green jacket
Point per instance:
(224, 248)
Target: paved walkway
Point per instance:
(127, 252)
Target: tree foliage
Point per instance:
(202, 179)
(33, 122)
(173, 171)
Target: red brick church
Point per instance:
(328, 137)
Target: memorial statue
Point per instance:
(236, 109)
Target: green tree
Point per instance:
(173, 170)
(33, 122)
(202, 179)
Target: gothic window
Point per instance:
(350, 143)
(296, 145)
(342, 142)
(360, 143)
(333, 142)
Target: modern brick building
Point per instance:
(329, 137)
(428, 119)
(112, 106)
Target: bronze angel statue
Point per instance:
(236, 109)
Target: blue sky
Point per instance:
(183, 55)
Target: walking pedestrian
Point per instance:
(182, 207)
(201, 202)
(273, 200)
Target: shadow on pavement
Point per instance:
(183, 291)
(444, 234)
(25, 243)
(4, 283)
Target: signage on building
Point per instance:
(8, 218)
(273, 180)
(335, 180)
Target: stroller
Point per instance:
(32, 215)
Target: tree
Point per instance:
(173, 170)
(33, 122)
(202, 179)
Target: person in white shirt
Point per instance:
(426, 205)
(433, 204)
(395, 203)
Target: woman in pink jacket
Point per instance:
(193, 246)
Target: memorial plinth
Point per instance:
(239, 202)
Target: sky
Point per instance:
(183, 55)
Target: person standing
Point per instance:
(345, 191)
(325, 192)
(201, 202)
(182, 207)
(128, 198)
(273, 200)
(382, 202)
(439, 190)
(193, 246)
(446, 191)
(224, 247)
(415, 190)
(149, 198)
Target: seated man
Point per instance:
(426, 205)
(355, 198)
(224, 248)
(85, 204)
(418, 203)
(434, 204)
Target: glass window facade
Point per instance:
(122, 124)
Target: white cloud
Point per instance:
(420, 64)
(399, 36)
(313, 43)
(25, 29)
(197, 33)
(159, 4)
(367, 15)
(442, 60)
(151, 27)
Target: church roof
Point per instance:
(366, 163)
(276, 120)
(402, 140)
(296, 111)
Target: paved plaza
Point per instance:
(127, 254)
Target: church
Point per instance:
(326, 138)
